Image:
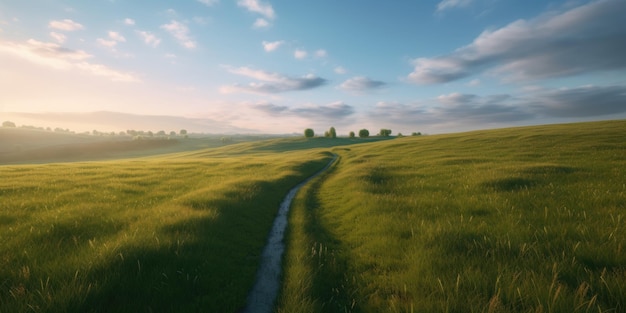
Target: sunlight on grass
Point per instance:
(157, 234)
(514, 220)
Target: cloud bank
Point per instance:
(361, 83)
(270, 83)
(57, 57)
(585, 39)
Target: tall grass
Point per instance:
(164, 234)
(513, 220)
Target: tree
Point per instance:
(8, 124)
(364, 133)
(332, 132)
(351, 134)
(416, 134)
(183, 132)
(172, 133)
(385, 132)
(309, 133)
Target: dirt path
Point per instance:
(265, 290)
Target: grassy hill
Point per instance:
(512, 220)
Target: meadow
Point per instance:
(175, 233)
(512, 220)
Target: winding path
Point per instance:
(265, 290)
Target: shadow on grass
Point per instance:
(201, 264)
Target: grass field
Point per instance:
(174, 233)
(513, 220)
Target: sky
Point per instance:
(280, 66)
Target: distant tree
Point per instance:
(161, 133)
(172, 133)
(385, 132)
(8, 124)
(309, 133)
(364, 133)
(150, 133)
(332, 132)
(351, 134)
(327, 134)
(122, 133)
(416, 134)
(400, 135)
(183, 132)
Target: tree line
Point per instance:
(363, 133)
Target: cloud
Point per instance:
(360, 83)
(332, 111)
(586, 101)
(270, 46)
(300, 54)
(65, 25)
(149, 38)
(107, 43)
(505, 109)
(259, 7)
(208, 2)
(116, 36)
(321, 53)
(261, 23)
(449, 4)
(585, 39)
(57, 57)
(269, 83)
(180, 31)
(60, 38)
(129, 21)
(340, 70)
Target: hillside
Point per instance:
(526, 219)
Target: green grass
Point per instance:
(513, 220)
(175, 233)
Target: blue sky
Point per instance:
(279, 66)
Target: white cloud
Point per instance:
(269, 83)
(334, 111)
(57, 57)
(107, 43)
(180, 31)
(270, 46)
(129, 21)
(449, 4)
(584, 39)
(474, 82)
(116, 36)
(300, 54)
(60, 38)
(261, 23)
(65, 25)
(149, 38)
(360, 83)
(321, 53)
(208, 2)
(259, 7)
(340, 70)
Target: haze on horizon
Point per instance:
(280, 67)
